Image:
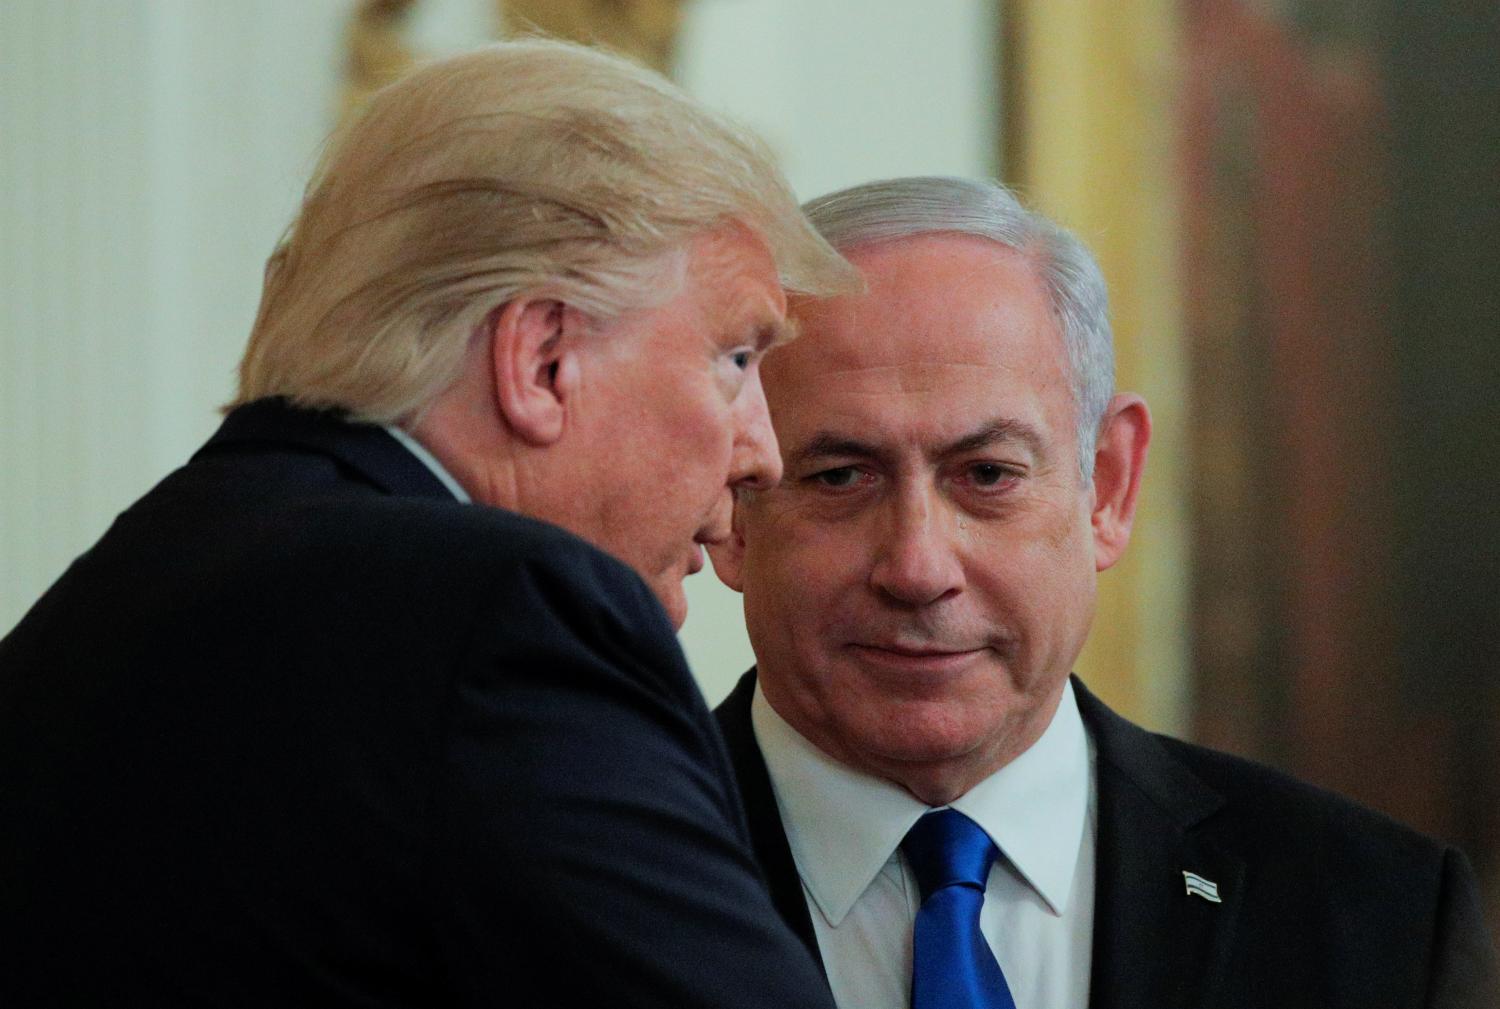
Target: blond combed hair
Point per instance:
(533, 167)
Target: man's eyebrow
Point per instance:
(826, 444)
(1004, 429)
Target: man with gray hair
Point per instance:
(377, 701)
(945, 815)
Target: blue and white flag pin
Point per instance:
(1205, 888)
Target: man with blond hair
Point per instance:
(376, 701)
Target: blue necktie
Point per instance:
(952, 966)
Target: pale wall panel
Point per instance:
(74, 280)
(150, 155)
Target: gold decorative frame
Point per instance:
(1089, 115)
(645, 30)
(377, 51)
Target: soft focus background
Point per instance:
(1294, 202)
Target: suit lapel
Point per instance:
(767, 835)
(1155, 944)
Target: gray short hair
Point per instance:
(529, 167)
(902, 208)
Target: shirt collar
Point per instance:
(844, 825)
(429, 460)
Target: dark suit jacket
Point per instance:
(1325, 905)
(301, 730)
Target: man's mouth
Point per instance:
(705, 537)
(915, 658)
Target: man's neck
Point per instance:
(472, 449)
(933, 782)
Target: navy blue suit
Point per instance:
(302, 730)
(1324, 904)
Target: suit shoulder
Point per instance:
(466, 547)
(301, 504)
(546, 558)
(1390, 909)
(1251, 805)
(459, 531)
(1266, 808)
(529, 579)
(347, 561)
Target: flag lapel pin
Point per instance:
(1200, 887)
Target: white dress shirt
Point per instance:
(429, 460)
(845, 827)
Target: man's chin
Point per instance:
(924, 732)
(674, 600)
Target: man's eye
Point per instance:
(842, 476)
(988, 474)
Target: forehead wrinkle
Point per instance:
(737, 302)
(853, 406)
(907, 376)
(826, 442)
(1001, 430)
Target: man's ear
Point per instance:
(728, 557)
(1119, 459)
(535, 367)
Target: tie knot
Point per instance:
(946, 848)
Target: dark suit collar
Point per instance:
(767, 836)
(1155, 944)
(1140, 756)
(366, 451)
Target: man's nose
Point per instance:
(757, 456)
(917, 562)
